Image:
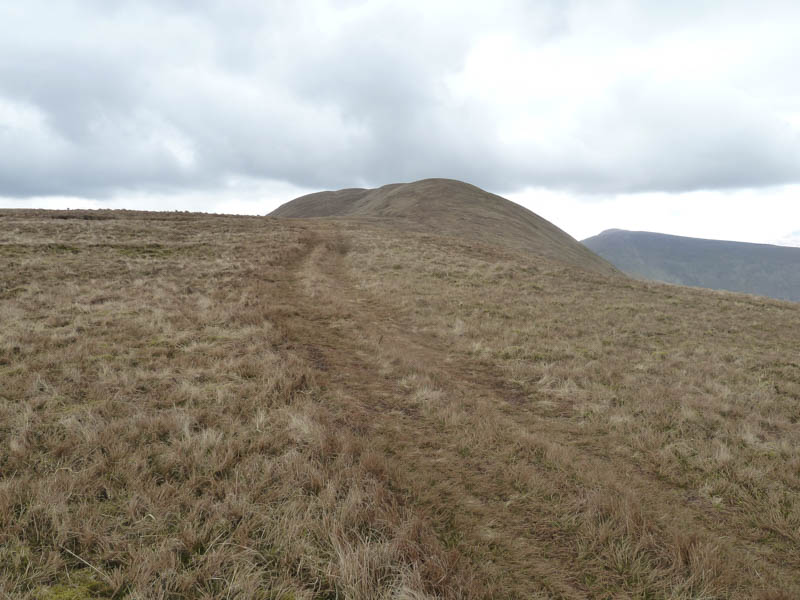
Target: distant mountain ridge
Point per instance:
(449, 207)
(761, 269)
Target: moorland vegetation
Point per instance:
(246, 407)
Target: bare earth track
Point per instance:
(240, 407)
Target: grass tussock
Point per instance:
(224, 407)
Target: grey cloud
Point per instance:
(652, 137)
(182, 95)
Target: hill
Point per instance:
(449, 207)
(760, 269)
(196, 406)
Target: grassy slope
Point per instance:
(449, 207)
(241, 407)
(736, 266)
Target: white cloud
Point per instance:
(749, 215)
(238, 196)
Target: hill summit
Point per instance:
(449, 207)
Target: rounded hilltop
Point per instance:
(453, 208)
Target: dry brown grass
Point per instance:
(226, 407)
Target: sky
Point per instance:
(681, 117)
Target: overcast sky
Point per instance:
(681, 117)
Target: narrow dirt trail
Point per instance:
(520, 532)
(376, 404)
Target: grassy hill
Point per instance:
(760, 269)
(449, 207)
(198, 406)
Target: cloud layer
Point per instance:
(591, 97)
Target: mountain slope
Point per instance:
(449, 207)
(760, 269)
